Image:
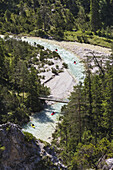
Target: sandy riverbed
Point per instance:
(62, 85)
(80, 49)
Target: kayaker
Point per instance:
(74, 62)
(52, 113)
(33, 125)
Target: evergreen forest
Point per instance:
(59, 19)
(20, 85)
(84, 135)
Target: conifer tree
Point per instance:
(108, 100)
(88, 95)
(94, 12)
(33, 91)
(97, 97)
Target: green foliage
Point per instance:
(29, 137)
(37, 18)
(87, 156)
(54, 71)
(82, 23)
(106, 12)
(84, 156)
(56, 55)
(50, 18)
(46, 163)
(20, 85)
(85, 133)
(2, 148)
(90, 37)
(65, 65)
(95, 19)
(40, 33)
(8, 128)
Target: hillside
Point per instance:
(85, 136)
(53, 18)
(22, 69)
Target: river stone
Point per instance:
(108, 164)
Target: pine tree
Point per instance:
(88, 95)
(97, 97)
(32, 100)
(45, 14)
(94, 12)
(108, 100)
(82, 18)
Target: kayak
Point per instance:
(53, 113)
(74, 62)
(32, 126)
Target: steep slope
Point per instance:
(35, 16)
(20, 150)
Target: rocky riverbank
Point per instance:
(62, 85)
(79, 49)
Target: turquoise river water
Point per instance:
(45, 123)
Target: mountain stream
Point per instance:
(44, 122)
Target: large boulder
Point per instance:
(21, 151)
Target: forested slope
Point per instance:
(85, 134)
(53, 17)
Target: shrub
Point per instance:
(29, 137)
(2, 148)
(56, 55)
(89, 33)
(102, 32)
(79, 39)
(50, 63)
(40, 33)
(85, 39)
(98, 32)
(65, 65)
(60, 71)
(57, 66)
(35, 59)
(54, 71)
(40, 46)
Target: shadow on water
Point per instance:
(42, 117)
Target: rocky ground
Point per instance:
(82, 49)
(62, 85)
(19, 151)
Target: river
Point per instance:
(44, 122)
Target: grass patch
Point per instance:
(87, 37)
